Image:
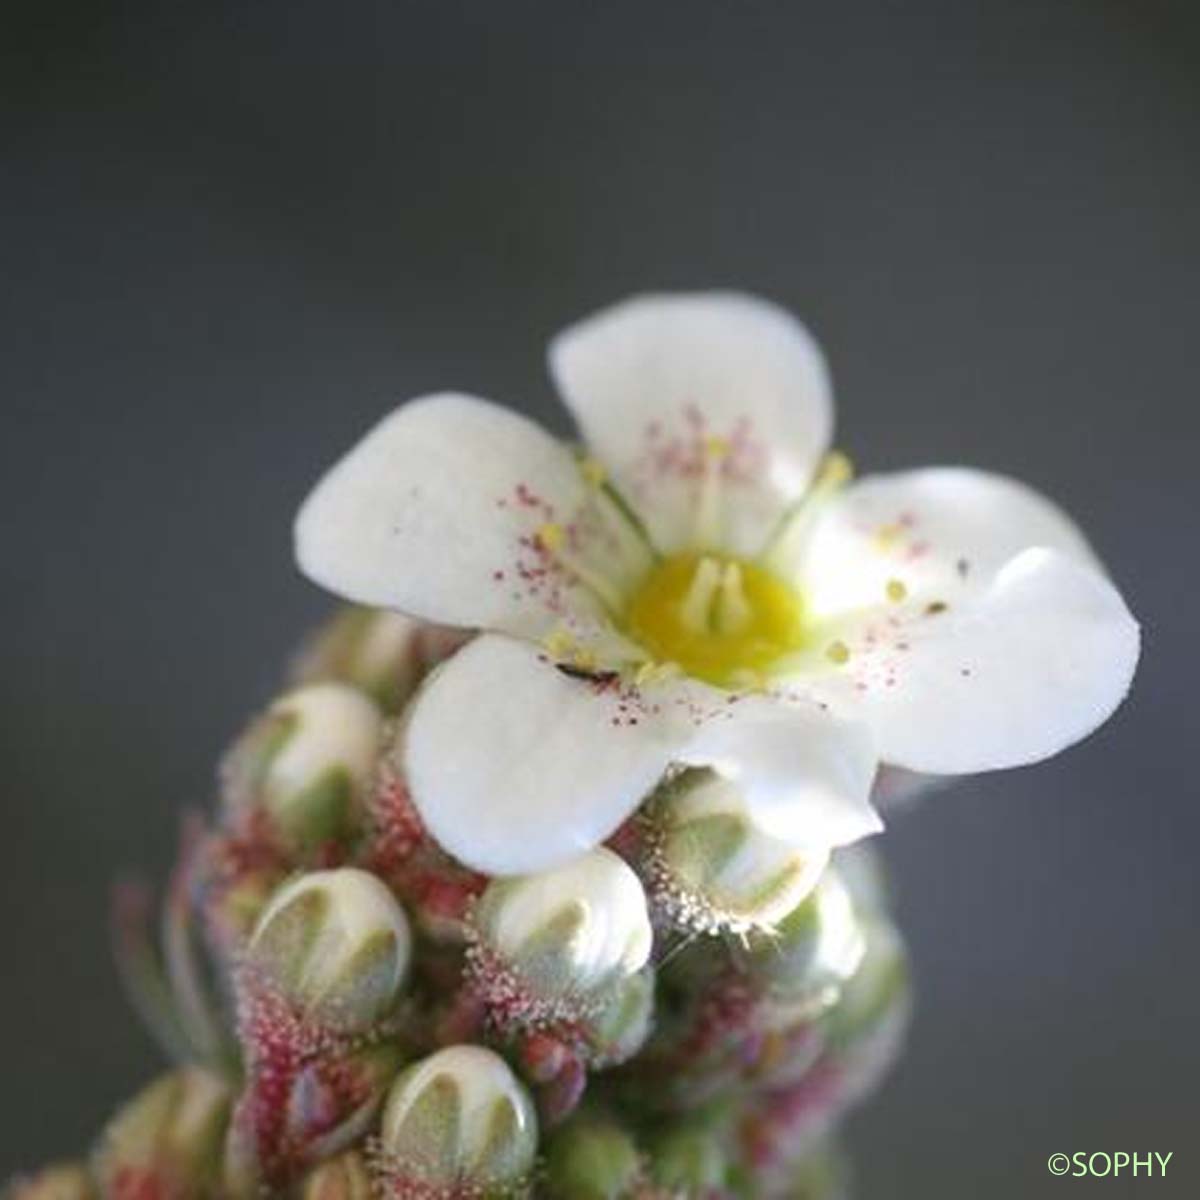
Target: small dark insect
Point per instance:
(938, 606)
(603, 677)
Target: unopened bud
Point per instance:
(814, 950)
(66, 1181)
(569, 934)
(819, 1174)
(592, 1158)
(688, 1160)
(306, 764)
(619, 1029)
(343, 1178)
(456, 1124)
(712, 868)
(166, 1141)
(378, 652)
(872, 1008)
(337, 945)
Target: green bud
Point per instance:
(378, 652)
(875, 998)
(592, 1158)
(572, 932)
(343, 1178)
(814, 950)
(168, 1139)
(65, 1181)
(713, 868)
(307, 764)
(337, 945)
(820, 1174)
(459, 1119)
(689, 1160)
(619, 1029)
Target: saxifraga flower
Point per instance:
(704, 585)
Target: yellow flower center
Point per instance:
(723, 620)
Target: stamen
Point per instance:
(838, 652)
(563, 648)
(612, 508)
(593, 471)
(783, 548)
(886, 536)
(697, 604)
(733, 609)
(656, 672)
(708, 505)
(896, 591)
(552, 539)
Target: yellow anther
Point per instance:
(896, 591)
(886, 536)
(655, 672)
(593, 471)
(550, 536)
(716, 447)
(559, 644)
(837, 652)
(835, 470)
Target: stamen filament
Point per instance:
(553, 541)
(706, 531)
(613, 509)
(784, 546)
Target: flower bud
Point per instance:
(167, 1141)
(570, 934)
(688, 1160)
(592, 1158)
(306, 764)
(866, 1025)
(712, 868)
(814, 950)
(819, 1174)
(378, 652)
(620, 1028)
(337, 945)
(305, 1099)
(343, 1178)
(458, 1123)
(66, 1181)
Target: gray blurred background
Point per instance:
(234, 236)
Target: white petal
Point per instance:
(653, 380)
(804, 774)
(516, 766)
(941, 532)
(1030, 665)
(436, 512)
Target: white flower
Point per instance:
(705, 586)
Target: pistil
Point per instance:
(695, 610)
(734, 613)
